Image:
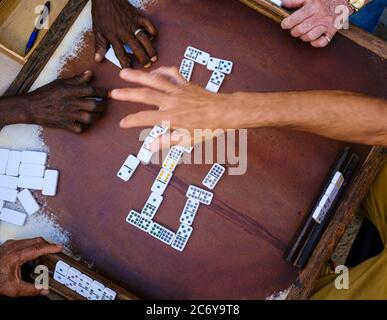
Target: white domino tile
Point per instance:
(277, 2)
(162, 233)
(4, 154)
(83, 285)
(214, 176)
(139, 221)
(152, 205)
(200, 194)
(34, 157)
(50, 183)
(9, 195)
(96, 291)
(197, 55)
(33, 183)
(162, 181)
(13, 163)
(215, 82)
(182, 236)
(186, 69)
(72, 279)
(12, 216)
(128, 168)
(189, 212)
(8, 182)
(61, 270)
(220, 65)
(108, 294)
(28, 201)
(145, 156)
(32, 170)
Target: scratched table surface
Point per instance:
(236, 249)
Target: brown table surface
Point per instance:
(238, 242)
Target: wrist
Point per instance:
(17, 109)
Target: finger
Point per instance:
(147, 44)
(291, 4)
(80, 79)
(296, 18)
(172, 74)
(36, 251)
(86, 117)
(25, 289)
(148, 26)
(314, 34)
(138, 50)
(323, 40)
(152, 80)
(22, 244)
(121, 55)
(91, 105)
(90, 91)
(76, 127)
(142, 95)
(304, 27)
(100, 47)
(142, 119)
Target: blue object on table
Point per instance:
(368, 17)
(35, 33)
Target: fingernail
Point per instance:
(122, 123)
(147, 66)
(125, 72)
(44, 292)
(98, 57)
(113, 93)
(154, 59)
(59, 246)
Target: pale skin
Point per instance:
(333, 114)
(314, 21)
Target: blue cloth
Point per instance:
(369, 16)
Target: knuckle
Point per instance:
(88, 90)
(86, 117)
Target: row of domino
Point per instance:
(218, 67)
(20, 172)
(81, 283)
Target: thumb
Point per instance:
(292, 4)
(82, 78)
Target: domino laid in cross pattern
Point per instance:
(172, 160)
(223, 66)
(214, 176)
(161, 233)
(189, 212)
(162, 181)
(186, 69)
(215, 82)
(128, 168)
(152, 205)
(139, 221)
(145, 153)
(197, 55)
(200, 194)
(182, 237)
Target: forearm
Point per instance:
(333, 114)
(13, 110)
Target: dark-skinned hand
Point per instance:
(70, 104)
(13, 254)
(115, 22)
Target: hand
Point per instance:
(183, 105)
(116, 22)
(314, 22)
(66, 103)
(13, 254)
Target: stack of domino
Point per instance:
(219, 67)
(81, 283)
(20, 172)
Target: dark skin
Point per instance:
(65, 103)
(115, 22)
(13, 254)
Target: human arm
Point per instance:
(334, 114)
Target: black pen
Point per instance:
(35, 33)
